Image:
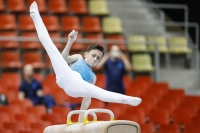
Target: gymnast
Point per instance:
(77, 80)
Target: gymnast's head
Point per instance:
(93, 54)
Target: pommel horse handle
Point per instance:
(91, 111)
(69, 122)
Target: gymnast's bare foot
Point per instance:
(34, 13)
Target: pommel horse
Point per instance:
(95, 126)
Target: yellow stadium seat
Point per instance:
(142, 63)
(137, 43)
(98, 7)
(161, 41)
(179, 45)
(112, 25)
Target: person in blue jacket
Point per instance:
(115, 64)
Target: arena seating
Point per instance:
(9, 44)
(78, 7)
(42, 5)
(95, 38)
(56, 36)
(117, 38)
(2, 5)
(10, 59)
(112, 25)
(161, 42)
(25, 23)
(142, 63)
(98, 7)
(70, 22)
(33, 58)
(58, 6)
(51, 22)
(178, 44)
(16, 6)
(137, 43)
(91, 24)
(169, 104)
(30, 45)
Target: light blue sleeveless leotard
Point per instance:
(85, 71)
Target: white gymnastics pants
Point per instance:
(66, 78)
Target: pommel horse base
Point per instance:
(112, 126)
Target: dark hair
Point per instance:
(95, 46)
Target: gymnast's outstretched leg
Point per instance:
(72, 85)
(59, 64)
(56, 58)
(108, 96)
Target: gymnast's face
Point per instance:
(93, 57)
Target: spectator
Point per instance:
(115, 65)
(31, 88)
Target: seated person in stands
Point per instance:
(31, 88)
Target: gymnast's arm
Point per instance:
(87, 100)
(85, 103)
(65, 53)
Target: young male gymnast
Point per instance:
(70, 79)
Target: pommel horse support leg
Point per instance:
(112, 126)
